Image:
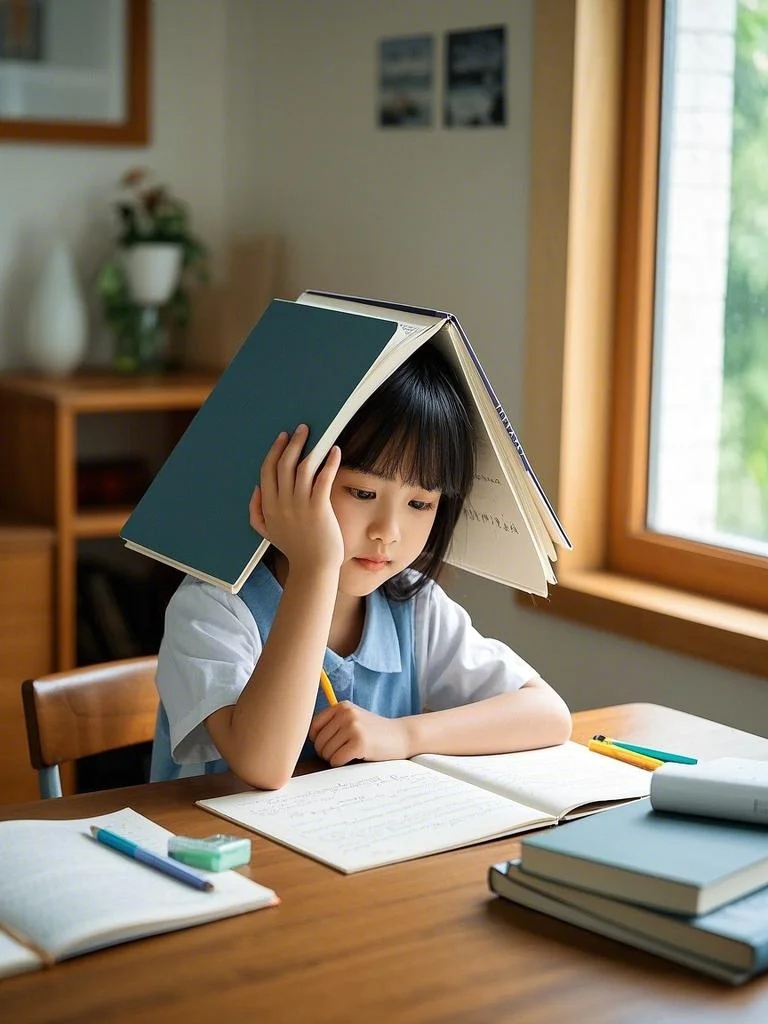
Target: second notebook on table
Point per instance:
(316, 361)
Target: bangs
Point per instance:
(415, 426)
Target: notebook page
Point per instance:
(69, 894)
(16, 958)
(366, 815)
(557, 779)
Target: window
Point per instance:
(648, 283)
(692, 507)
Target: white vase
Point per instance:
(57, 320)
(152, 270)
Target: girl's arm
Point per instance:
(533, 716)
(487, 700)
(261, 736)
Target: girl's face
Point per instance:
(385, 525)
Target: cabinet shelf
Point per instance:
(38, 461)
(107, 522)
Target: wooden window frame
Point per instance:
(596, 91)
(633, 548)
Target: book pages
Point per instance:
(367, 815)
(67, 894)
(565, 781)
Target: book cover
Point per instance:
(673, 862)
(194, 515)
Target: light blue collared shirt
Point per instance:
(379, 676)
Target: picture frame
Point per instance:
(406, 81)
(475, 77)
(22, 66)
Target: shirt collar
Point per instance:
(379, 647)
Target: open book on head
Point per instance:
(63, 894)
(367, 815)
(316, 361)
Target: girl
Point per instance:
(349, 586)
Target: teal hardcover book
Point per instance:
(674, 862)
(300, 364)
(316, 361)
(730, 943)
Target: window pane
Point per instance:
(708, 466)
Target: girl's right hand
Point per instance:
(293, 510)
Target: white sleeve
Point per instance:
(455, 664)
(209, 649)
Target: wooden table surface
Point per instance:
(422, 941)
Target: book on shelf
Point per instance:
(673, 862)
(730, 943)
(367, 815)
(726, 787)
(106, 614)
(63, 894)
(119, 612)
(316, 361)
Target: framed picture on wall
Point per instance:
(406, 82)
(20, 35)
(75, 71)
(475, 78)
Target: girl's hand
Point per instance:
(292, 509)
(346, 732)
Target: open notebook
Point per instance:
(63, 894)
(367, 815)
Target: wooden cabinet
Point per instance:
(39, 421)
(26, 645)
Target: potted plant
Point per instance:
(143, 287)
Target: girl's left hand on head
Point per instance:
(291, 506)
(346, 732)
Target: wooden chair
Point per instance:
(87, 711)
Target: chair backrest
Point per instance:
(87, 711)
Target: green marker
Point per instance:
(660, 755)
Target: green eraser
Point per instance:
(214, 853)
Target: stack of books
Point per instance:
(690, 888)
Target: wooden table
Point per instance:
(414, 942)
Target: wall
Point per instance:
(66, 190)
(435, 217)
(264, 122)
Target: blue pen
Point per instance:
(152, 860)
(660, 755)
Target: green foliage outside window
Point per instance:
(743, 473)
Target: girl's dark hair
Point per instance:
(418, 424)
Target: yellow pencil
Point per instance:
(629, 756)
(325, 683)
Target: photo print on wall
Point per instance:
(406, 81)
(475, 78)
